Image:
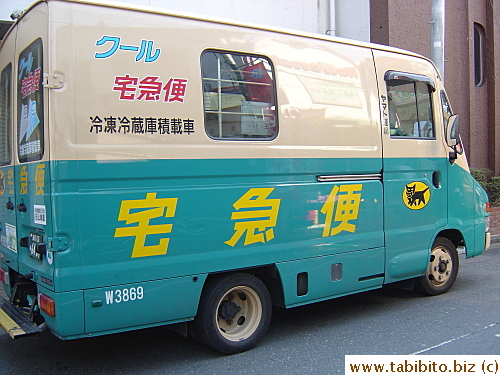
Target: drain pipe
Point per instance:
(332, 26)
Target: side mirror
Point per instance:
(452, 131)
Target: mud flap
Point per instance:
(15, 322)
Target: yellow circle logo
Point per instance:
(416, 195)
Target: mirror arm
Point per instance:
(453, 155)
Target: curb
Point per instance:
(495, 238)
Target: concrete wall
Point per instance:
(352, 18)
(7, 7)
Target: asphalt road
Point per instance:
(311, 339)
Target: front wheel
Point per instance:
(234, 313)
(442, 269)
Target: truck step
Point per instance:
(15, 322)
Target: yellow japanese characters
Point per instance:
(251, 206)
(148, 209)
(40, 179)
(2, 182)
(24, 180)
(255, 216)
(347, 208)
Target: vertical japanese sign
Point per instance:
(30, 122)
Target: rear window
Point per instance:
(5, 115)
(30, 124)
(239, 96)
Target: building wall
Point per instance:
(403, 24)
(406, 24)
(457, 64)
(352, 19)
(478, 141)
(492, 53)
(7, 7)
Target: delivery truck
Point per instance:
(161, 168)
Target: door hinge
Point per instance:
(53, 81)
(58, 243)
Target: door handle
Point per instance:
(21, 207)
(10, 206)
(435, 179)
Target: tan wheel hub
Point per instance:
(239, 313)
(440, 266)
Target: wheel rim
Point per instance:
(440, 266)
(239, 313)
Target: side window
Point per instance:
(239, 96)
(410, 109)
(30, 124)
(5, 115)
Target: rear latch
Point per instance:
(58, 243)
(53, 81)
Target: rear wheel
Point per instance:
(234, 313)
(442, 269)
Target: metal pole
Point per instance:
(437, 35)
(332, 25)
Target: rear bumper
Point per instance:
(15, 322)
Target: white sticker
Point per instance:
(50, 257)
(11, 237)
(40, 217)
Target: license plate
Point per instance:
(35, 239)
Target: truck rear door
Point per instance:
(33, 198)
(8, 234)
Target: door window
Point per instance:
(410, 109)
(447, 112)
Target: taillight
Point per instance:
(487, 207)
(3, 276)
(47, 304)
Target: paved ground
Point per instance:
(310, 339)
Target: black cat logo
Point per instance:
(416, 195)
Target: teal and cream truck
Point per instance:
(160, 168)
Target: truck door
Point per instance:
(8, 235)
(415, 162)
(32, 170)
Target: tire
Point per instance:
(234, 313)
(442, 270)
